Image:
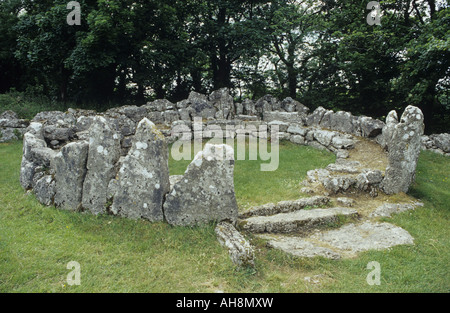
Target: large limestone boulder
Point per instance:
(143, 178)
(70, 170)
(206, 191)
(403, 142)
(104, 152)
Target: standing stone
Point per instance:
(404, 145)
(45, 190)
(70, 170)
(206, 191)
(27, 168)
(143, 178)
(388, 129)
(104, 152)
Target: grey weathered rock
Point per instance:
(44, 190)
(30, 141)
(133, 112)
(339, 183)
(339, 168)
(287, 117)
(159, 105)
(173, 179)
(347, 202)
(27, 171)
(316, 117)
(240, 250)
(340, 142)
(369, 179)
(301, 220)
(249, 107)
(28, 166)
(104, 152)
(206, 192)
(285, 206)
(10, 134)
(70, 170)
(56, 118)
(342, 121)
(143, 178)
(370, 127)
(324, 137)
(297, 129)
(42, 156)
(10, 119)
(388, 129)
(223, 101)
(299, 247)
(297, 139)
(120, 123)
(367, 236)
(344, 242)
(442, 141)
(170, 116)
(404, 146)
(200, 107)
(282, 126)
(387, 209)
(52, 132)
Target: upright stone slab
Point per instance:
(70, 170)
(28, 166)
(206, 191)
(143, 178)
(403, 142)
(104, 152)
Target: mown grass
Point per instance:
(120, 255)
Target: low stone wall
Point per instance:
(116, 162)
(438, 143)
(11, 126)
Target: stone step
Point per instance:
(297, 221)
(345, 242)
(285, 206)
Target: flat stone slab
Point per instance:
(295, 221)
(367, 236)
(299, 247)
(285, 206)
(387, 209)
(344, 242)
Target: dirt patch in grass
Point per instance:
(369, 154)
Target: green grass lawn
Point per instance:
(119, 255)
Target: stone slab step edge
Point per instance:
(293, 222)
(285, 206)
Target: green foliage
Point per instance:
(323, 53)
(27, 105)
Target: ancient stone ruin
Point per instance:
(116, 163)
